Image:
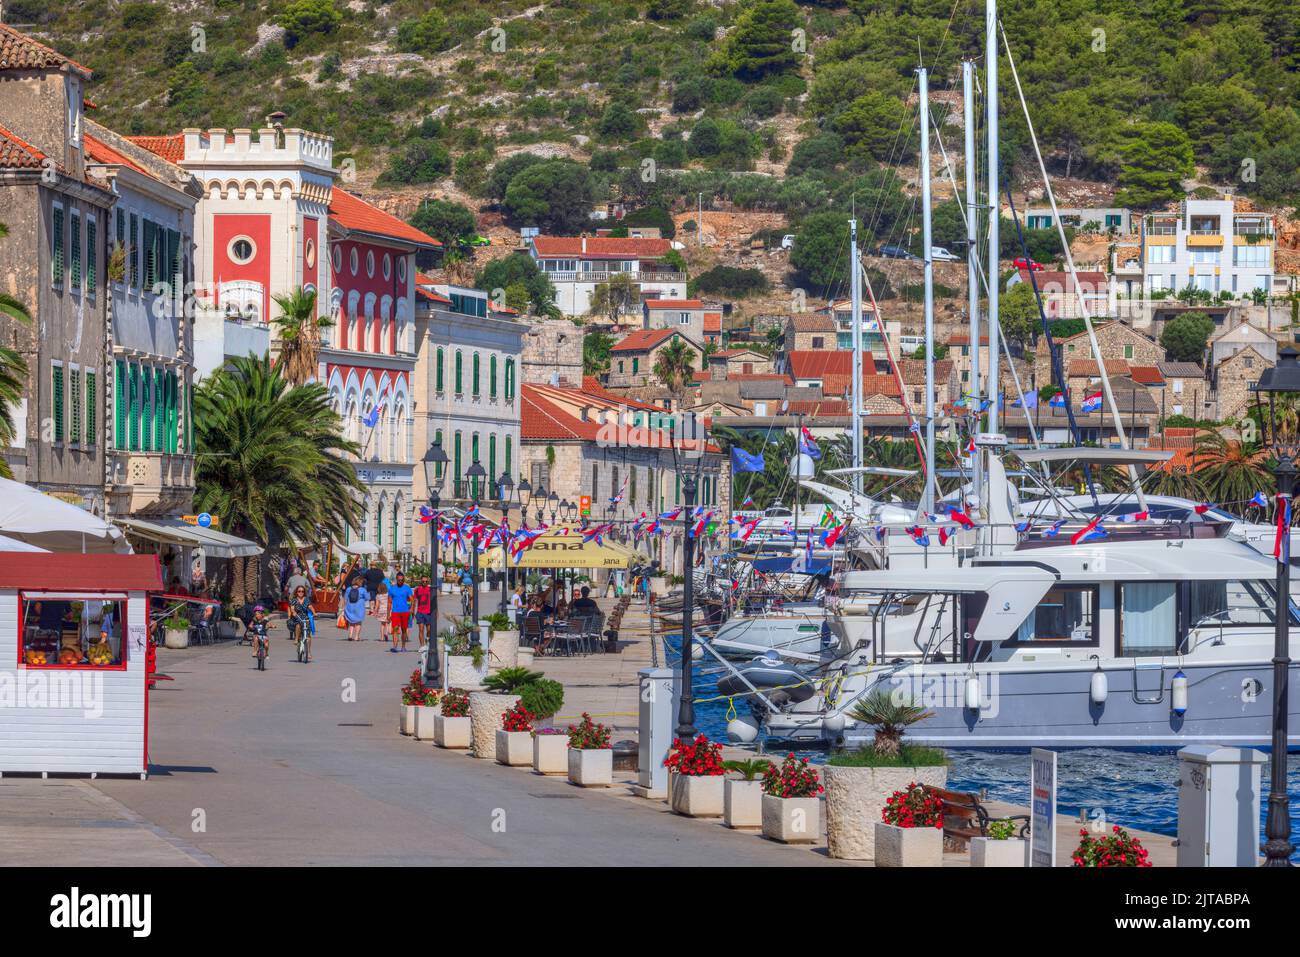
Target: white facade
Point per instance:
(577, 265)
(1206, 245)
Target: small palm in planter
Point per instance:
(858, 783)
(487, 707)
(791, 811)
(591, 759)
(514, 740)
(452, 727)
(742, 798)
(911, 832)
(695, 777)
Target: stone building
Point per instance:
(1233, 378)
(1239, 337)
(809, 331)
(947, 386)
(1187, 391)
(1117, 341)
(726, 362)
(684, 315)
(632, 360)
(552, 352)
(54, 261)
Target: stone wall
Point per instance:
(552, 349)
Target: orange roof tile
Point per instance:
(354, 213)
(713, 322)
(674, 304)
(17, 153)
(814, 364)
(100, 152)
(171, 148)
(1088, 367)
(643, 340)
(600, 247)
(18, 51)
(1146, 375)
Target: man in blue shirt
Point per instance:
(399, 609)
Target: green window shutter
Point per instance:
(56, 247)
(135, 407)
(121, 228)
(492, 377)
(460, 367)
(439, 370)
(92, 407)
(120, 403)
(455, 464)
(57, 380)
(492, 460)
(473, 454)
(508, 472)
(133, 252)
(159, 411)
(92, 256)
(74, 397)
(146, 410)
(440, 468)
(474, 373)
(150, 255)
(171, 412)
(189, 418)
(174, 262)
(510, 380)
(75, 238)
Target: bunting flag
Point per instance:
(744, 529)
(1092, 403)
(960, 517)
(1260, 499)
(1058, 401)
(787, 529)
(1054, 530)
(1093, 529)
(670, 516)
(1202, 508)
(735, 585)
(970, 446)
(1282, 542)
(919, 536)
(1023, 527)
(1135, 517)
(944, 535)
(698, 529)
(808, 445)
(617, 498)
(427, 515)
(881, 533)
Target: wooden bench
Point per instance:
(965, 816)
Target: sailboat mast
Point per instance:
(855, 285)
(927, 248)
(972, 260)
(991, 66)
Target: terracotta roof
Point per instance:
(872, 384)
(1061, 281)
(600, 247)
(814, 364)
(1088, 367)
(963, 339)
(1181, 370)
(643, 340)
(17, 153)
(674, 304)
(591, 386)
(1146, 375)
(100, 152)
(713, 322)
(431, 295)
(18, 51)
(541, 418)
(759, 377)
(817, 407)
(61, 570)
(354, 213)
(170, 148)
(812, 322)
(701, 376)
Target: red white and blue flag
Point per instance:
(1202, 508)
(1135, 517)
(1282, 542)
(1093, 529)
(1054, 529)
(808, 445)
(1260, 499)
(960, 517)
(744, 529)
(748, 502)
(919, 536)
(944, 535)
(1092, 403)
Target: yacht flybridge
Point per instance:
(1155, 638)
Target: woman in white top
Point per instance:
(517, 604)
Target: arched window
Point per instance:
(492, 376)
(493, 475)
(510, 380)
(455, 465)
(439, 384)
(460, 373)
(473, 457)
(474, 374)
(508, 471)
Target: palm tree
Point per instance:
(13, 371)
(1230, 471)
(270, 456)
(674, 366)
(299, 329)
(890, 718)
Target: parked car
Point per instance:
(895, 252)
(941, 254)
(476, 241)
(787, 241)
(1023, 263)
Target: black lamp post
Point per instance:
(540, 496)
(688, 461)
(506, 487)
(553, 503)
(1283, 378)
(434, 462)
(474, 473)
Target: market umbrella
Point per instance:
(360, 548)
(32, 517)
(13, 545)
(554, 550)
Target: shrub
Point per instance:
(1003, 829)
(416, 692)
(1117, 849)
(655, 216)
(731, 281)
(455, 703)
(588, 735)
(426, 34)
(913, 807)
(302, 18)
(817, 154)
(699, 758)
(444, 220)
(619, 122)
(420, 161)
(793, 779)
(510, 680)
(543, 698)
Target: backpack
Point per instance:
(354, 595)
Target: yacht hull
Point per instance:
(743, 638)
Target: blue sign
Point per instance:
(205, 520)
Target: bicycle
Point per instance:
(300, 627)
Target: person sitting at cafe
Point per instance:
(585, 606)
(536, 612)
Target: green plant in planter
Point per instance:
(1002, 830)
(890, 718)
(498, 621)
(750, 770)
(543, 698)
(510, 680)
(178, 623)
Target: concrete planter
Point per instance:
(461, 672)
(525, 657)
(908, 846)
(406, 723)
(451, 732)
(855, 800)
(695, 795)
(485, 712)
(791, 820)
(742, 803)
(591, 767)
(424, 722)
(514, 748)
(986, 852)
(503, 650)
(176, 638)
(550, 753)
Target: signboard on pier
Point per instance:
(1042, 808)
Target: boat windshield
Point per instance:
(1234, 603)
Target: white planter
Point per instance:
(791, 820)
(742, 803)
(451, 732)
(461, 672)
(694, 795)
(503, 650)
(986, 852)
(592, 767)
(525, 657)
(485, 712)
(908, 846)
(514, 748)
(855, 800)
(550, 753)
(176, 638)
(406, 723)
(424, 724)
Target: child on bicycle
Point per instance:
(257, 632)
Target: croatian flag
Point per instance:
(745, 529)
(748, 502)
(832, 535)
(1260, 499)
(669, 516)
(1136, 517)
(1093, 529)
(944, 535)
(970, 446)
(960, 517)
(1092, 403)
(1058, 401)
(1054, 530)
(1282, 543)
(808, 445)
(427, 515)
(701, 525)
(1202, 508)
(919, 536)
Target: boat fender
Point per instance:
(742, 730)
(832, 724)
(1178, 692)
(1099, 687)
(973, 693)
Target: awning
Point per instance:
(30, 516)
(566, 551)
(173, 531)
(358, 548)
(154, 532)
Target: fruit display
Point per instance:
(69, 656)
(100, 653)
(34, 657)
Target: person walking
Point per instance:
(355, 598)
(400, 595)
(424, 622)
(298, 580)
(374, 577)
(380, 609)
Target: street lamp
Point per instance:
(553, 503)
(474, 473)
(434, 462)
(1283, 378)
(540, 496)
(506, 487)
(688, 462)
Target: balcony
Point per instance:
(1261, 226)
(597, 277)
(151, 482)
(1161, 225)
